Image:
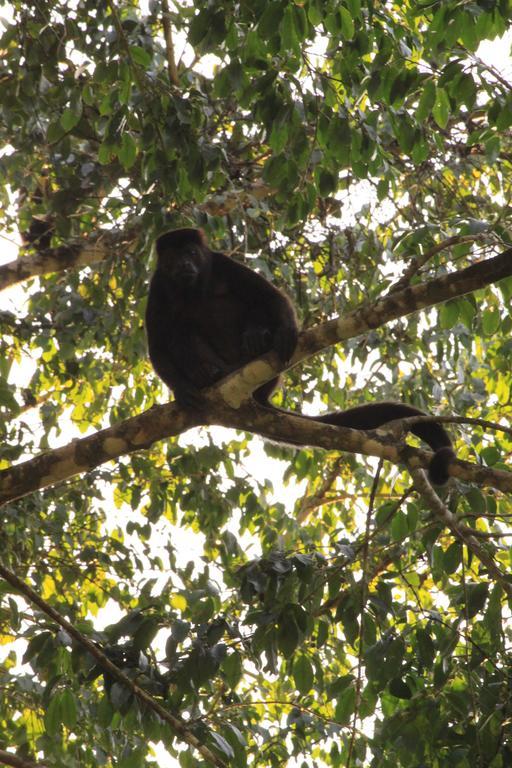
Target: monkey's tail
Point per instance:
(374, 415)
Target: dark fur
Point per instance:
(374, 415)
(207, 316)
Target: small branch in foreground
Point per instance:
(447, 517)
(178, 726)
(418, 262)
(8, 758)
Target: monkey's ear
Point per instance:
(201, 238)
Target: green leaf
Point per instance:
(315, 13)
(222, 745)
(441, 108)
(452, 557)
(270, 20)
(354, 7)
(477, 596)
(345, 706)
(339, 139)
(399, 526)
(492, 148)
(127, 154)
(476, 500)
(276, 170)
(303, 674)
(490, 321)
(53, 716)
(466, 91)
(232, 668)
(467, 312)
(141, 56)
(106, 153)
(347, 23)
(468, 31)
(491, 455)
(327, 182)
(71, 117)
(427, 101)
(68, 708)
(425, 647)
(449, 314)
(288, 635)
(55, 131)
(289, 37)
(399, 688)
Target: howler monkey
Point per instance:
(207, 315)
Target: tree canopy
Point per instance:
(173, 589)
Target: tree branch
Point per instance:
(447, 517)
(8, 758)
(418, 262)
(169, 45)
(177, 724)
(79, 253)
(287, 427)
(99, 246)
(228, 403)
(89, 452)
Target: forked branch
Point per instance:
(229, 403)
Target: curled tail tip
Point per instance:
(438, 470)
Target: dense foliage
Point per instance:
(326, 617)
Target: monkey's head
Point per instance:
(183, 257)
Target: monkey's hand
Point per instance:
(207, 372)
(285, 341)
(255, 341)
(189, 398)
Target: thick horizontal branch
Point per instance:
(89, 452)
(79, 253)
(408, 300)
(227, 402)
(165, 421)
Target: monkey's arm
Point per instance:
(268, 308)
(181, 357)
(163, 351)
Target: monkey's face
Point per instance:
(183, 266)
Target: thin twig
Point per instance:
(364, 592)
(419, 261)
(169, 45)
(408, 421)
